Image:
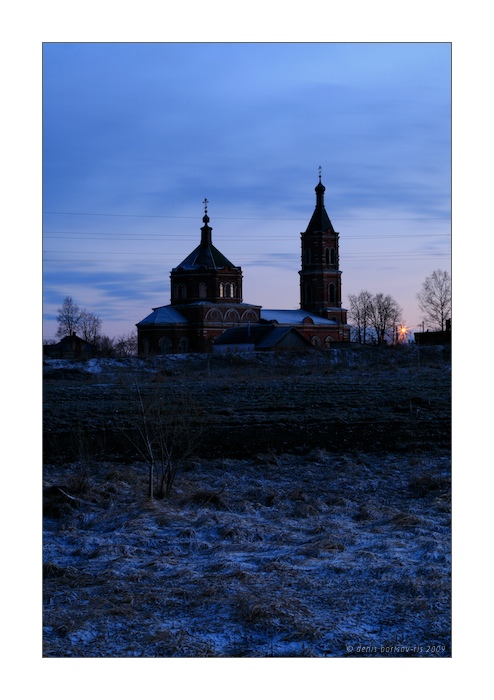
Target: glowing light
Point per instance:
(403, 330)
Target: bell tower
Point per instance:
(320, 276)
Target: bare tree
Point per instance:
(89, 326)
(105, 346)
(69, 317)
(360, 313)
(385, 314)
(126, 345)
(435, 299)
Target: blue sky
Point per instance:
(135, 136)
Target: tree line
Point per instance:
(87, 325)
(377, 318)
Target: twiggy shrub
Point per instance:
(167, 430)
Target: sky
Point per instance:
(136, 135)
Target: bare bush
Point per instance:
(166, 432)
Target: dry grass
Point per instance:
(298, 556)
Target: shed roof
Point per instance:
(263, 336)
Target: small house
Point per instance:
(70, 348)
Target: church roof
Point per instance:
(294, 317)
(320, 220)
(205, 255)
(163, 314)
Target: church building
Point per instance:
(206, 295)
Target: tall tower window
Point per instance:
(333, 256)
(180, 291)
(331, 293)
(308, 256)
(203, 290)
(227, 290)
(307, 294)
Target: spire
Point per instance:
(205, 255)
(205, 218)
(320, 220)
(206, 230)
(320, 190)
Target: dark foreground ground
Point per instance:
(310, 515)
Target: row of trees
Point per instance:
(87, 325)
(377, 318)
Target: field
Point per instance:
(309, 515)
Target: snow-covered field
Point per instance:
(283, 555)
(313, 518)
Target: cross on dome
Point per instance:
(205, 218)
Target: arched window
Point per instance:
(327, 256)
(308, 293)
(222, 290)
(165, 345)
(232, 315)
(331, 293)
(308, 256)
(203, 290)
(228, 290)
(333, 256)
(183, 345)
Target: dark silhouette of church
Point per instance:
(206, 295)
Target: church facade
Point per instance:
(206, 295)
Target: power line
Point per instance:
(372, 253)
(245, 218)
(246, 260)
(104, 235)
